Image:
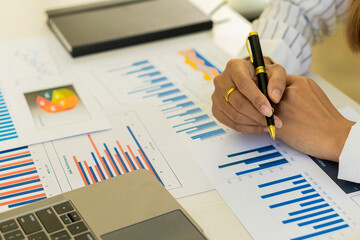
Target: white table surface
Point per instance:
(26, 18)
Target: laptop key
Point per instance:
(38, 236)
(49, 220)
(65, 218)
(8, 226)
(16, 235)
(74, 216)
(63, 235)
(85, 236)
(29, 224)
(63, 207)
(77, 228)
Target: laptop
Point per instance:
(132, 206)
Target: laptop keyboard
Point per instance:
(58, 222)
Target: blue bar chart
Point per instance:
(7, 127)
(143, 80)
(303, 205)
(254, 160)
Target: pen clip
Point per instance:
(248, 48)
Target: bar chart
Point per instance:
(7, 127)
(298, 204)
(145, 80)
(254, 160)
(20, 182)
(103, 155)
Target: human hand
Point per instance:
(247, 106)
(311, 124)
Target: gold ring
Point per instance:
(228, 94)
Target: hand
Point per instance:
(311, 124)
(247, 106)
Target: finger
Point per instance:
(277, 82)
(237, 127)
(250, 90)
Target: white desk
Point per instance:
(27, 18)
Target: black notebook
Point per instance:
(111, 24)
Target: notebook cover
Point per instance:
(106, 25)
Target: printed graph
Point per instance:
(143, 81)
(196, 61)
(7, 128)
(300, 206)
(19, 180)
(254, 160)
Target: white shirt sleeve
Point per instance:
(288, 28)
(349, 161)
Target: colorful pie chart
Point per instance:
(57, 100)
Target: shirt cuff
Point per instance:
(279, 51)
(349, 161)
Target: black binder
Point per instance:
(111, 24)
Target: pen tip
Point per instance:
(272, 132)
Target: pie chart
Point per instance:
(57, 100)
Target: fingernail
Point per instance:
(278, 123)
(276, 95)
(265, 110)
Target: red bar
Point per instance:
(99, 156)
(20, 190)
(81, 173)
(90, 173)
(17, 172)
(19, 181)
(98, 171)
(122, 167)
(15, 154)
(147, 164)
(122, 150)
(16, 163)
(23, 199)
(133, 155)
(111, 162)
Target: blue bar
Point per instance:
(198, 127)
(157, 80)
(133, 64)
(93, 173)
(253, 160)
(21, 193)
(2, 111)
(164, 94)
(6, 126)
(4, 115)
(14, 158)
(130, 160)
(328, 223)
(308, 191)
(8, 134)
(308, 209)
(7, 118)
(149, 74)
(107, 166)
(318, 220)
(13, 150)
(321, 232)
(193, 120)
(121, 160)
(142, 151)
(112, 159)
(82, 170)
(98, 165)
(142, 166)
(294, 201)
(188, 112)
(8, 138)
(210, 134)
(259, 150)
(308, 216)
(139, 70)
(7, 122)
(285, 191)
(182, 105)
(26, 202)
(264, 166)
(7, 130)
(299, 181)
(312, 202)
(16, 166)
(279, 181)
(153, 88)
(18, 175)
(175, 99)
(19, 184)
